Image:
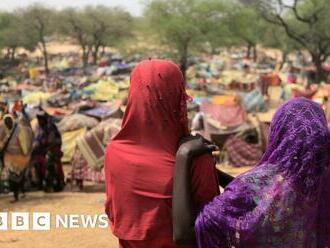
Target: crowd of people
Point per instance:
(129, 125)
(161, 193)
(30, 159)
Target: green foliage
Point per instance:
(245, 24)
(11, 29)
(95, 27)
(183, 25)
(275, 37)
(178, 27)
(306, 22)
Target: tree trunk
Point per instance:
(184, 60)
(96, 54)
(45, 55)
(248, 52)
(12, 54)
(255, 53)
(103, 51)
(319, 70)
(84, 57)
(8, 53)
(284, 58)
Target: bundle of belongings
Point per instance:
(103, 90)
(247, 147)
(298, 90)
(69, 139)
(103, 112)
(253, 101)
(245, 87)
(219, 116)
(226, 123)
(71, 127)
(76, 121)
(35, 97)
(88, 160)
(92, 144)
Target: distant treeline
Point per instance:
(182, 26)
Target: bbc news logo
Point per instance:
(43, 221)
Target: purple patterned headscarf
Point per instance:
(284, 201)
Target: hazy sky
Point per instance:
(133, 6)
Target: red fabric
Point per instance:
(226, 115)
(241, 153)
(308, 93)
(139, 163)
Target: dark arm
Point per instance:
(224, 178)
(184, 210)
(184, 214)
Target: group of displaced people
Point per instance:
(28, 157)
(162, 186)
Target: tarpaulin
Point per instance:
(76, 121)
(225, 115)
(92, 144)
(69, 143)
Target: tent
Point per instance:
(76, 121)
(69, 143)
(93, 143)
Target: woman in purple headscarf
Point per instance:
(284, 201)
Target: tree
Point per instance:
(276, 37)
(245, 25)
(182, 24)
(304, 21)
(39, 26)
(108, 26)
(95, 27)
(11, 38)
(74, 24)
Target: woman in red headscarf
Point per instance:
(139, 165)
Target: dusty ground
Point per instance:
(91, 202)
(61, 203)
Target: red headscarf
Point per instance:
(157, 105)
(140, 160)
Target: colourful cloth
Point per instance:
(139, 163)
(284, 200)
(224, 116)
(18, 151)
(69, 140)
(103, 90)
(82, 171)
(241, 153)
(79, 166)
(47, 153)
(93, 143)
(76, 121)
(253, 101)
(34, 97)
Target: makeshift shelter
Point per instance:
(253, 101)
(69, 143)
(103, 90)
(247, 147)
(93, 143)
(240, 153)
(104, 112)
(223, 116)
(76, 121)
(34, 97)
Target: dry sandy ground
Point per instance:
(60, 203)
(89, 202)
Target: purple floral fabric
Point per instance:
(284, 201)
